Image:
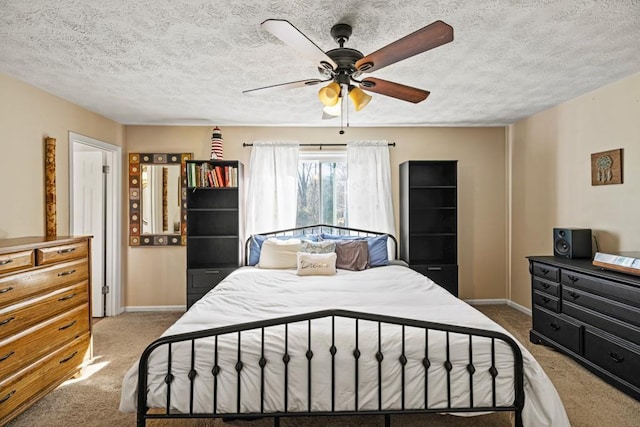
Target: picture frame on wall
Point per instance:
(606, 167)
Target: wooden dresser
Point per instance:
(45, 317)
(590, 314)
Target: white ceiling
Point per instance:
(188, 61)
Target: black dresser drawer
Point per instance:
(444, 275)
(608, 324)
(546, 286)
(545, 271)
(620, 358)
(201, 280)
(624, 312)
(605, 288)
(546, 301)
(562, 330)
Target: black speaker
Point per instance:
(572, 242)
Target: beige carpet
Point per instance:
(92, 401)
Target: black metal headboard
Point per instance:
(322, 228)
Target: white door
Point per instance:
(95, 210)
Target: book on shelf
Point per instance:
(210, 175)
(625, 262)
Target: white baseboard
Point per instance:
(519, 307)
(501, 301)
(139, 308)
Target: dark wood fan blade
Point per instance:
(282, 86)
(289, 34)
(433, 35)
(394, 90)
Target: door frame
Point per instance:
(113, 235)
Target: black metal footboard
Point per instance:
(407, 332)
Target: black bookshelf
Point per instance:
(429, 219)
(214, 215)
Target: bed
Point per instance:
(268, 342)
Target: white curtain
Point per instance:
(370, 201)
(272, 191)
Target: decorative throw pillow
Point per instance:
(378, 252)
(323, 247)
(255, 245)
(277, 253)
(352, 255)
(316, 264)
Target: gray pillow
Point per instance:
(352, 255)
(325, 247)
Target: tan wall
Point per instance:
(156, 276)
(27, 116)
(551, 180)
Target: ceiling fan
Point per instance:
(343, 66)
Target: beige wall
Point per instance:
(156, 276)
(551, 180)
(27, 116)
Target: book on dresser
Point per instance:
(45, 317)
(589, 314)
(623, 262)
(214, 213)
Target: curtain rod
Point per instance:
(391, 144)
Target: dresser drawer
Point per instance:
(15, 261)
(25, 315)
(608, 324)
(624, 312)
(20, 286)
(546, 301)
(614, 355)
(545, 271)
(61, 253)
(18, 391)
(546, 286)
(617, 291)
(205, 279)
(562, 330)
(21, 350)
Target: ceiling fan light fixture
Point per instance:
(359, 98)
(333, 110)
(330, 94)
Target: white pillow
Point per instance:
(316, 264)
(276, 253)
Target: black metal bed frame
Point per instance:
(214, 368)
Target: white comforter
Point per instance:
(251, 294)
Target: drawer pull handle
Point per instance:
(434, 268)
(7, 397)
(616, 357)
(62, 328)
(555, 326)
(6, 261)
(5, 290)
(212, 272)
(546, 285)
(66, 359)
(546, 299)
(66, 297)
(574, 295)
(66, 273)
(6, 356)
(66, 251)
(544, 271)
(5, 321)
(573, 279)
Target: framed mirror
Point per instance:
(157, 199)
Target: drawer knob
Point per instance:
(66, 251)
(616, 357)
(546, 299)
(5, 290)
(62, 328)
(6, 261)
(544, 271)
(6, 356)
(574, 295)
(66, 273)
(546, 285)
(573, 279)
(66, 297)
(8, 396)
(555, 326)
(66, 359)
(6, 321)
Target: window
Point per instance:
(322, 188)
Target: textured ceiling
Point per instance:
(188, 61)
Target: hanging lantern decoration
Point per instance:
(216, 144)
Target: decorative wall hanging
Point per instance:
(50, 185)
(216, 144)
(606, 167)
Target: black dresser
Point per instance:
(590, 314)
